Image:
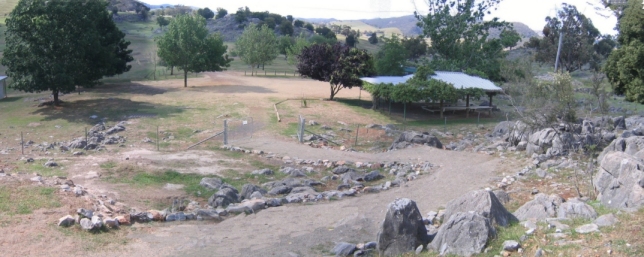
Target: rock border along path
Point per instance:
(300, 228)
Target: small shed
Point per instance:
(3, 86)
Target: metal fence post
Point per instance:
(22, 144)
(157, 138)
(357, 129)
(86, 137)
(225, 132)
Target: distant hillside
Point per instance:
(318, 20)
(230, 30)
(363, 27)
(158, 6)
(406, 24)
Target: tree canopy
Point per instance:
(162, 21)
(340, 65)
(188, 45)
(415, 46)
(56, 45)
(257, 45)
(296, 48)
(391, 58)
(373, 39)
(460, 35)
(509, 38)
(206, 13)
(221, 12)
(286, 28)
(625, 65)
(351, 40)
(579, 36)
(298, 23)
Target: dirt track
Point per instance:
(311, 229)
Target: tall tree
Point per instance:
(289, 18)
(351, 40)
(373, 39)
(257, 46)
(460, 35)
(509, 38)
(391, 58)
(206, 13)
(625, 65)
(416, 47)
(286, 28)
(296, 48)
(340, 65)
(162, 21)
(56, 45)
(221, 12)
(298, 23)
(188, 45)
(579, 36)
(285, 43)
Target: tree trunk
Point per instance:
(56, 101)
(171, 70)
(185, 78)
(441, 107)
(467, 106)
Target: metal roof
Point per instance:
(458, 79)
(462, 80)
(2, 78)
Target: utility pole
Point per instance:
(559, 49)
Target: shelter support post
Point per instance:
(467, 106)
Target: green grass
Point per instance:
(140, 178)
(24, 200)
(96, 240)
(38, 167)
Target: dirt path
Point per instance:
(311, 229)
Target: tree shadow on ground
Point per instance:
(10, 99)
(109, 109)
(129, 88)
(233, 89)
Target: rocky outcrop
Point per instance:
(409, 138)
(620, 180)
(224, 197)
(574, 208)
(249, 189)
(631, 145)
(402, 230)
(464, 234)
(482, 202)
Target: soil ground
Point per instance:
(307, 229)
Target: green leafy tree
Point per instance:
(221, 12)
(188, 45)
(378, 91)
(270, 22)
(206, 13)
(373, 39)
(391, 58)
(257, 46)
(319, 39)
(625, 65)
(162, 21)
(242, 14)
(351, 40)
(289, 18)
(285, 43)
(579, 37)
(309, 26)
(56, 45)
(286, 28)
(298, 23)
(416, 47)
(340, 65)
(406, 93)
(509, 38)
(296, 48)
(459, 35)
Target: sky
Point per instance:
(530, 12)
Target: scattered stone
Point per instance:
(248, 190)
(342, 169)
(483, 202)
(408, 138)
(606, 220)
(343, 249)
(464, 234)
(263, 172)
(84, 213)
(224, 197)
(66, 221)
(36, 179)
(574, 208)
(111, 223)
(540, 208)
(86, 224)
(50, 164)
(419, 249)
(588, 228)
(97, 222)
(503, 197)
(123, 219)
(211, 183)
(511, 246)
(402, 230)
(373, 176)
(620, 179)
(157, 215)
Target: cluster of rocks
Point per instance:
(98, 136)
(468, 223)
(410, 138)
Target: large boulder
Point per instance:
(620, 181)
(540, 208)
(402, 230)
(464, 234)
(211, 183)
(574, 208)
(224, 197)
(482, 202)
(541, 141)
(630, 145)
(408, 138)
